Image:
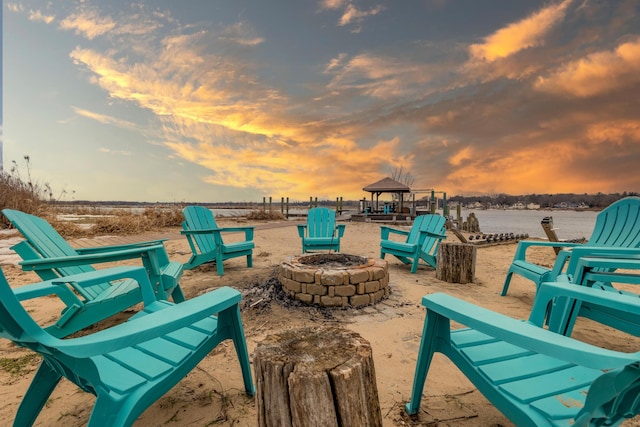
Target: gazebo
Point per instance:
(387, 185)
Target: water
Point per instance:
(568, 224)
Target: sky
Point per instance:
(236, 100)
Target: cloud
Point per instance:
(353, 15)
(332, 4)
(115, 152)
(241, 33)
(515, 37)
(15, 7)
(596, 73)
(104, 119)
(376, 76)
(88, 24)
(38, 16)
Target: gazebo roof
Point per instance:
(387, 185)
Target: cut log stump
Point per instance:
(316, 377)
(456, 262)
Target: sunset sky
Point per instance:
(234, 100)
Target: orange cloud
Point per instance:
(529, 32)
(596, 73)
(88, 23)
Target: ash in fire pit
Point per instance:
(335, 280)
(332, 260)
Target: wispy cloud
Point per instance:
(104, 119)
(88, 23)
(241, 33)
(353, 15)
(115, 152)
(515, 37)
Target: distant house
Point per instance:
(518, 205)
(533, 206)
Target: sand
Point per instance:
(212, 394)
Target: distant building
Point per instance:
(533, 206)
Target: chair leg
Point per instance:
(219, 266)
(232, 315)
(43, 384)
(177, 295)
(107, 412)
(249, 261)
(432, 324)
(414, 265)
(507, 280)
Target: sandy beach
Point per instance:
(212, 394)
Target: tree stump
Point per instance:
(456, 262)
(316, 377)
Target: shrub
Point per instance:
(21, 193)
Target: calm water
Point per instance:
(568, 224)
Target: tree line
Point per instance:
(595, 201)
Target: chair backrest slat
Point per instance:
(200, 218)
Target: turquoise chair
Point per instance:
(535, 377)
(421, 241)
(49, 255)
(206, 242)
(605, 274)
(617, 226)
(321, 232)
(128, 366)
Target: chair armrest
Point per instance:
(548, 291)
(150, 326)
(302, 230)
(523, 245)
(606, 267)
(524, 334)
(432, 234)
(43, 289)
(600, 252)
(201, 231)
(341, 228)
(113, 248)
(74, 260)
(58, 286)
(385, 232)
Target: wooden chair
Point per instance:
(51, 257)
(421, 241)
(128, 366)
(617, 226)
(321, 232)
(206, 242)
(535, 377)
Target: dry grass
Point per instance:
(121, 222)
(260, 215)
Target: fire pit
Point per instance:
(335, 280)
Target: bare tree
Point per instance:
(403, 176)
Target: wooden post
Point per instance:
(320, 376)
(456, 262)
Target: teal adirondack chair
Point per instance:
(128, 366)
(535, 377)
(617, 226)
(51, 257)
(602, 273)
(321, 232)
(206, 243)
(421, 241)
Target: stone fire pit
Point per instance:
(335, 280)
